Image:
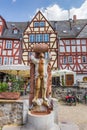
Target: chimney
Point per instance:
(74, 18)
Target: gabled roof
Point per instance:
(3, 21)
(67, 29)
(8, 32)
(83, 33)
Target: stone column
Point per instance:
(55, 109)
(32, 83)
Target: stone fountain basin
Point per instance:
(41, 120)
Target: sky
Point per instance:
(24, 10)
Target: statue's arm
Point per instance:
(34, 60)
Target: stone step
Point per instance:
(62, 126)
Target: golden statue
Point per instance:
(41, 76)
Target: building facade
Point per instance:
(67, 41)
(72, 35)
(39, 30)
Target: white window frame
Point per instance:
(46, 37)
(64, 59)
(67, 42)
(0, 60)
(42, 24)
(0, 22)
(70, 59)
(36, 24)
(15, 31)
(39, 38)
(10, 60)
(6, 61)
(84, 59)
(8, 44)
(32, 38)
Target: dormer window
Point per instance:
(0, 22)
(15, 31)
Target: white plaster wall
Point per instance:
(25, 110)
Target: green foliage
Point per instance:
(17, 84)
(3, 87)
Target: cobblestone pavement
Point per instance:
(71, 114)
(75, 114)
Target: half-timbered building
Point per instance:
(67, 41)
(10, 42)
(39, 31)
(72, 46)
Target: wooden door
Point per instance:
(69, 79)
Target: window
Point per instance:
(83, 42)
(39, 24)
(83, 48)
(78, 42)
(11, 60)
(73, 42)
(0, 22)
(78, 49)
(61, 49)
(73, 48)
(46, 55)
(70, 59)
(65, 60)
(8, 44)
(39, 38)
(36, 24)
(0, 60)
(67, 48)
(46, 37)
(15, 31)
(9, 52)
(0, 41)
(42, 24)
(0, 44)
(67, 42)
(32, 38)
(84, 59)
(5, 60)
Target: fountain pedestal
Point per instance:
(42, 121)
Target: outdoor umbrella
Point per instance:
(55, 73)
(18, 70)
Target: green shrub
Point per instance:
(17, 84)
(3, 87)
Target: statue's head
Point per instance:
(41, 55)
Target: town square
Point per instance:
(43, 65)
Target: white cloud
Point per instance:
(54, 12)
